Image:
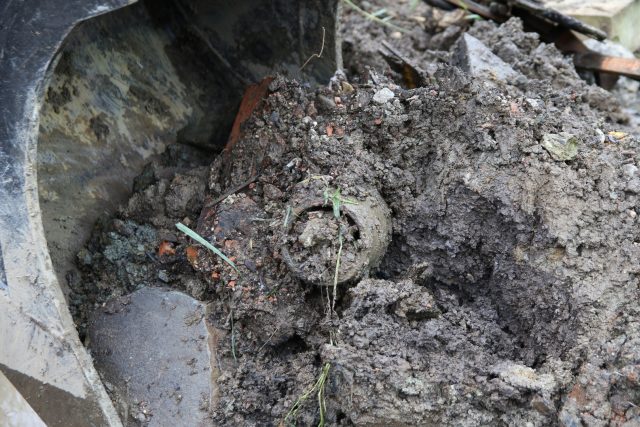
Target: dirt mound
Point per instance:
(508, 294)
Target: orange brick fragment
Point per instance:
(192, 255)
(329, 130)
(166, 248)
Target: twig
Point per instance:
(269, 339)
(394, 51)
(232, 191)
(563, 20)
(315, 55)
(198, 238)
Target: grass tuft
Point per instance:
(319, 389)
(336, 201)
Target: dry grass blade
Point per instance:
(335, 276)
(316, 55)
(318, 387)
(372, 17)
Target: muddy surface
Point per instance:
(508, 294)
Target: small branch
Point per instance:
(233, 339)
(232, 191)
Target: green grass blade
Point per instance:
(198, 238)
(336, 203)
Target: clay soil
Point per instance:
(509, 293)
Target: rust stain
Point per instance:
(250, 100)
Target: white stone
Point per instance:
(383, 96)
(630, 170)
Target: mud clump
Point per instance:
(316, 236)
(508, 294)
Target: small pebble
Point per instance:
(383, 96)
(633, 186)
(162, 275)
(630, 170)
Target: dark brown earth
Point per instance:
(508, 294)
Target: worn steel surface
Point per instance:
(39, 346)
(14, 410)
(153, 347)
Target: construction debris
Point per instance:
(562, 146)
(471, 55)
(557, 28)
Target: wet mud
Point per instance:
(502, 291)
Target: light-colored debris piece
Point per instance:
(383, 96)
(476, 58)
(562, 146)
(617, 18)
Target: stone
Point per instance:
(561, 146)
(153, 347)
(525, 378)
(383, 96)
(633, 186)
(630, 170)
(474, 57)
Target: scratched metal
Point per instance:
(3, 276)
(39, 346)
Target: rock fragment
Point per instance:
(525, 378)
(561, 146)
(383, 96)
(475, 58)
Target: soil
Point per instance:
(315, 246)
(509, 294)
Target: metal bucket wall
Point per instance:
(86, 101)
